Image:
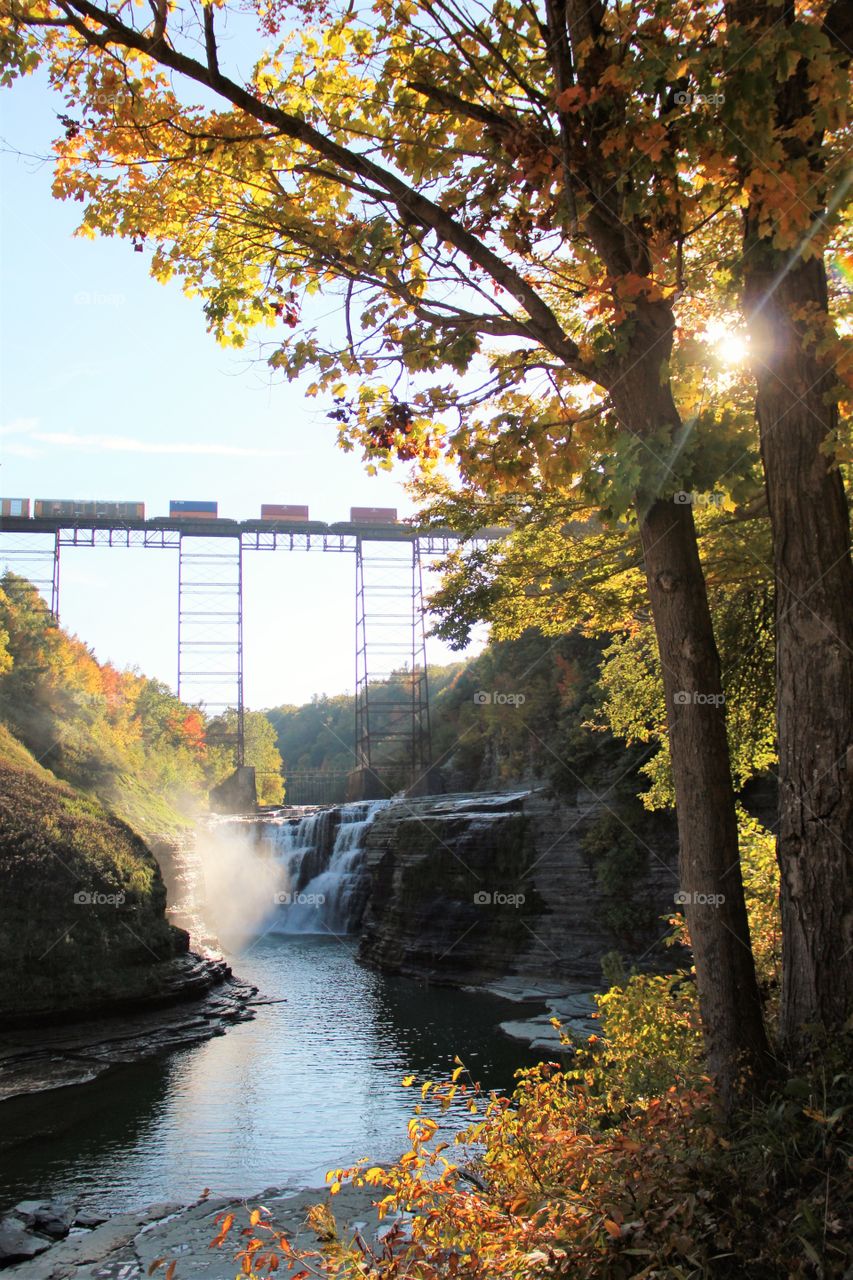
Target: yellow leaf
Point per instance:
(407, 1081)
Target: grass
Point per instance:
(82, 911)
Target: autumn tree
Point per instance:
(507, 177)
(260, 751)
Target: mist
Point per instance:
(241, 881)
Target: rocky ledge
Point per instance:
(52, 1241)
(199, 998)
(574, 1007)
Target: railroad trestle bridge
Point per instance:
(392, 722)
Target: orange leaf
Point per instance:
(612, 1228)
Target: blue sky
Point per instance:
(112, 389)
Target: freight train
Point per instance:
(184, 509)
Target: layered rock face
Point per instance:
(470, 888)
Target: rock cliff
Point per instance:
(465, 889)
(83, 925)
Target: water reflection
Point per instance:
(310, 1084)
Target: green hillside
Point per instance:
(118, 735)
(82, 911)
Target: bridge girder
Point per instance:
(402, 548)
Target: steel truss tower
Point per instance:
(391, 719)
(392, 729)
(28, 556)
(210, 629)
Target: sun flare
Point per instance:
(730, 345)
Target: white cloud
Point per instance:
(19, 427)
(127, 444)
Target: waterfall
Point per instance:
(321, 873)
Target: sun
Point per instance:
(730, 344)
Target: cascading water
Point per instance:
(321, 874)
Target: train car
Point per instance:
(193, 510)
(62, 508)
(15, 507)
(285, 527)
(290, 515)
(373, 515)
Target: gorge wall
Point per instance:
(470, 888)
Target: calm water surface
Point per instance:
(307, 1086)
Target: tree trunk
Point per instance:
(710, 885)
(814, 644)
(784, 294)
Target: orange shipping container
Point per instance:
(273, 511)
(373, 515)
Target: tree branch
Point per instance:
(543, 326)
(560, 54)
(210, 43)
(473, 110)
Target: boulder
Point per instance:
(54, 1218)
(18, 1243)
(87, 1221)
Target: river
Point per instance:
(308, 1085)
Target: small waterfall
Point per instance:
(321, 873)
